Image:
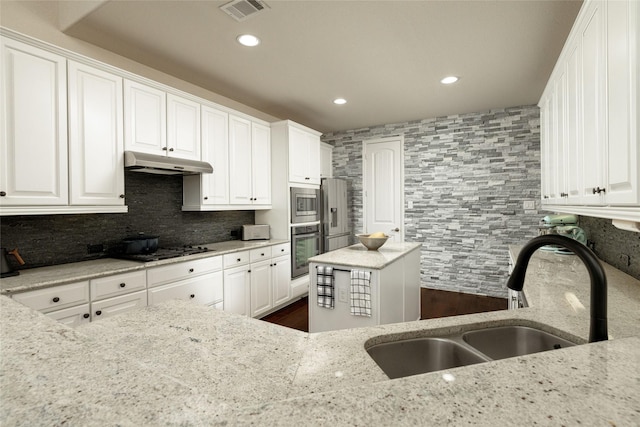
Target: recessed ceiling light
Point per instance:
(248, 40)
(339, 101)
(448, 80)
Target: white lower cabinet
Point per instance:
(261, 288)
(206, 289)
(281, 279)
(74, 316)
(117, 305)
(237, 290)
(55, 298)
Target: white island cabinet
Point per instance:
(394, 286)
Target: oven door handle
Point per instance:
(295, 236)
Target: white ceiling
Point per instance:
(385, 57)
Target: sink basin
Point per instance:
(417, 356)
(414, 356)
(510, 341)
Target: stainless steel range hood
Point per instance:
(163, 165)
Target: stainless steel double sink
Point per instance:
(405, 357)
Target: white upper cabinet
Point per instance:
(96, 170)
(183, 128)
(304, 156)
(326, 160)
(145, 120)
(261, 163)
(589, 116)
(249, 163)
(33, 159)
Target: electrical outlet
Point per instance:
(529, 205)
(626, 260)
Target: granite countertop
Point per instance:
(179, 363)
(45, 277)
(359, 256)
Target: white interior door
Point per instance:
(383, 186)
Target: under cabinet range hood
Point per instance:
(163, 165)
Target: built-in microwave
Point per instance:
(305, 205)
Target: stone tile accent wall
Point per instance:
(154, 203)
(616, 247)
(468, 176)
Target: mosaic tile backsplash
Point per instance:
(154, 202)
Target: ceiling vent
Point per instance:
(243, 9)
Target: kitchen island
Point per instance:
(178, 363)
(393, 286)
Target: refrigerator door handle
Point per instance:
(334, 217)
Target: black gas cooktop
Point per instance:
(163, 253)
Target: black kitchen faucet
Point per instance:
(598, 327)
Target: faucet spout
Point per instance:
(598, 305)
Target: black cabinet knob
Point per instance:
(191, 270)
(192, 295)
(206, 198)
(86, 315)
(56, 299)
(239, 259)
(3, 193)
(164, 148)
(98, 313)
(170, 149)
(122, 285)
(122, 196)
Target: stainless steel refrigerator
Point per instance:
(335, 226)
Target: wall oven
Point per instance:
(305, 205)
(305, 243)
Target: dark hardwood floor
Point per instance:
(433, 303)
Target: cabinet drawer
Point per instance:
(235, 259)
(73, 316)
(107, 287)
(58, 297)
(205, 290)
(175, 272)
(280, 249)
(122, 304)
(260, 254)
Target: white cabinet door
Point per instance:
(240, 180)
(215, 150)
(623, 91)
(326, 160)
(573, 143)
(183, 128)
(145, 118)
(33, 145)
(237, 290)
(96, 163)
(72, 317)
(591, 39)
(281, 279)
(261, 164)
(206, 289)
(304, 157)
(117, 305)
(261, 299)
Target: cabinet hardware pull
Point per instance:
(206, 198)
(248, 271)
(192, 296)
(122, 196)
(238, 260)
(56, 299)
(122, 285)
(599, 190)
(170, 149)
(3, 193)
(86, 315)
(191, 270)
(395, 229)
(164, 148)
(98, 313)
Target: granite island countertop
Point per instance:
(359, 256)
(179, 363)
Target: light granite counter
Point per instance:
(359, 256)
(46, 277)
(177, 363)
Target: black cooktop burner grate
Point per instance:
(162, 253)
